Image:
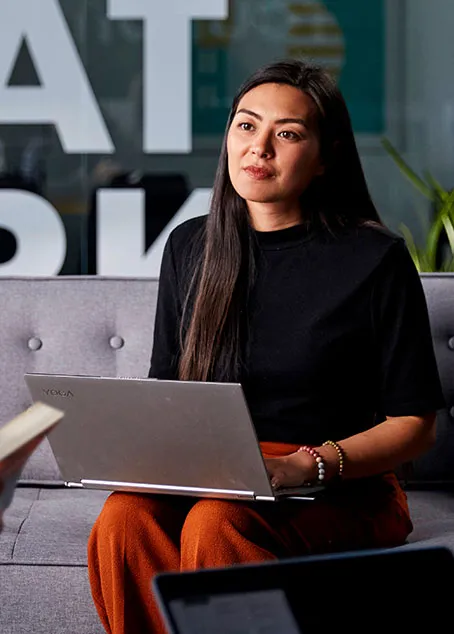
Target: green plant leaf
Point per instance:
(433, 238)
(416, 180)
(447, 265)
(449, 228)
(436, 186)
(448, 205)
(440, 222)
(412, 248)
(436, 228)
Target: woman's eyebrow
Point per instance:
(298, 120)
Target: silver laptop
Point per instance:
(148, 435)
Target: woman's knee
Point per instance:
(123, 511)
(216, 518)
(128, 517)
(112, 520)
(222, 533)
(119, 506)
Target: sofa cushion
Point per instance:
(52, 526)
(70, 325)
(433, 518)
(43, 575)
(49, 526)
(47, 600)
(43, 562)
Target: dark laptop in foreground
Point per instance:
(387, 592)
(150, 436)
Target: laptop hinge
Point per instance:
(167, 488)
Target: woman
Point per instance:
(293, 286)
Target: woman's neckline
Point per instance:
(283, 238)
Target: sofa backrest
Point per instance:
(73, 325)
(104, 326)
(437, 465)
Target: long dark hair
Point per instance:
(212, 338)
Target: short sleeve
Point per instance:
(166, 348)
(409, 382)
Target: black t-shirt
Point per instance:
(339, 333)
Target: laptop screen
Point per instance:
(240, 612)
(369, 591)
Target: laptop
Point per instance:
(157, 436)
(390, 590)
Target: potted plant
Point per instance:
(437, 252)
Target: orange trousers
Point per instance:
(137, 536)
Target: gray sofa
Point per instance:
(104, 326)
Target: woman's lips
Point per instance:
(258, 173)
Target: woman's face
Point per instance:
(273, 145)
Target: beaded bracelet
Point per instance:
(340, 453)
(319, 461)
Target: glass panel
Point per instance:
(383, 53)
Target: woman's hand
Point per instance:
(293, 470)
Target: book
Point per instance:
(18, 439)
(16, 436)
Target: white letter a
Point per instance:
(65, 97)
